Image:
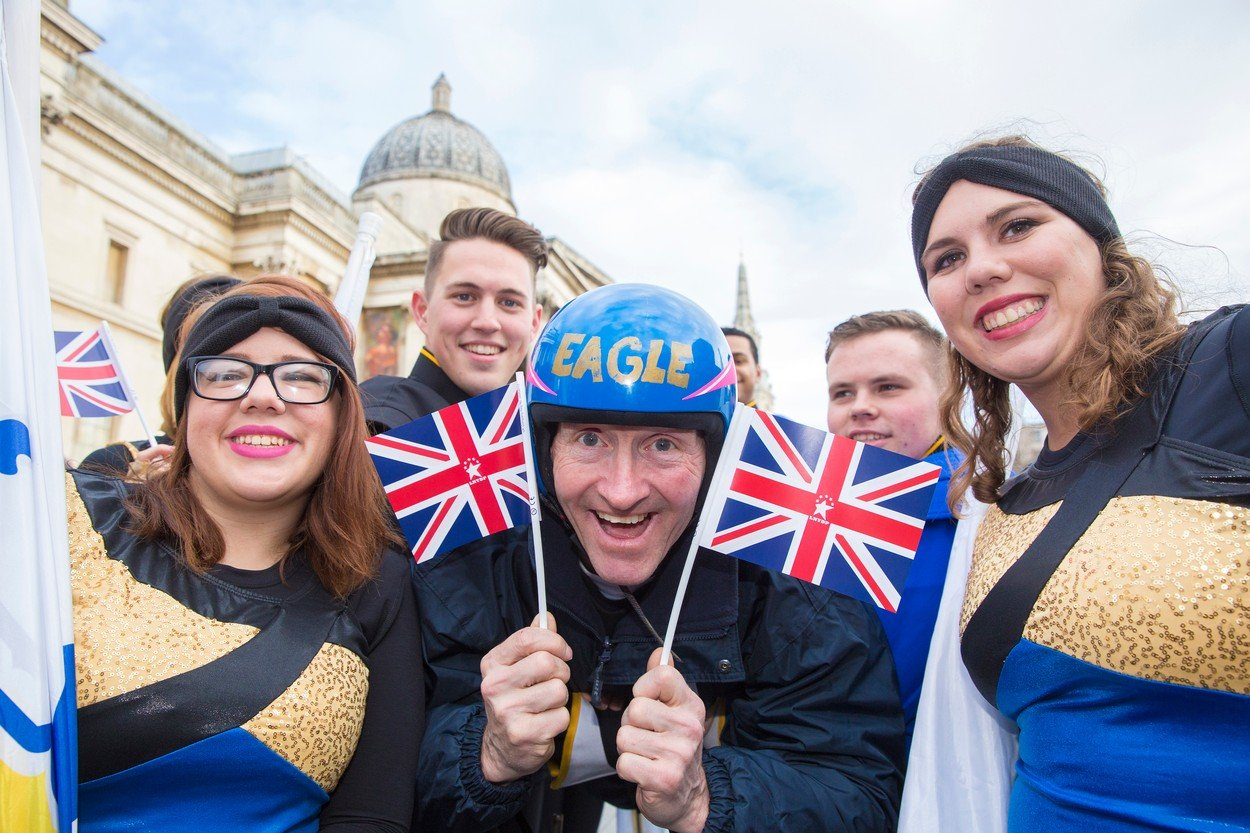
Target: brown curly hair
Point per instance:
(1131, 325)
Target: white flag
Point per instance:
(963, 752)
(38, 760)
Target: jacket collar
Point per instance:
(429, 372)
(707, 630)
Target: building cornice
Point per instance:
(403, 175)
(65, 33)
(290, 218)
(216, 209)
(264, 192)
(118, 316)
(399, 264)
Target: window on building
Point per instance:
(115, 271)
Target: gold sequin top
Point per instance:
(1158, 587)
(142, 624)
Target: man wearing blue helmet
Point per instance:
(781, 709)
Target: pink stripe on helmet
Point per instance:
(724, 379)
(532, 378)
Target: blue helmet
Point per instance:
(630, 354)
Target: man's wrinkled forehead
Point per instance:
(627, 428)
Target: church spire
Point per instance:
(743, 319)
(442, 94)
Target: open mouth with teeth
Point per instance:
(260, 440)
(623, 525)
(868, 437)
(1010, 315)
(483, 349)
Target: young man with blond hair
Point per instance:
(886, 373)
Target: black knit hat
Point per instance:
(181, 306)
(233, 319)
(1031, 171)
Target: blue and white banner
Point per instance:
(38, 756)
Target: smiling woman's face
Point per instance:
(1014, 282)
(258, 451)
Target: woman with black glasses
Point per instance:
(245, 631)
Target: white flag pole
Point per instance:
(106, 335)
(350, 297)
(728, 460)
(681, 593)
(531, 481)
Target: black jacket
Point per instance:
(392, 401)
(146, 726)
(813, 736)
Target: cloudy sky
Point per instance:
(661, 139)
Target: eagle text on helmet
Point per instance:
(629, 354)
(627, 361)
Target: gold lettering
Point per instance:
(590, 361)
(634, 363)
(652, 372)
(560, 364)
(679, 356)
(626, 362)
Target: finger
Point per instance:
(536, 731)
(648, 744)
(551, 622)
(631, 767)
(504, 702)
(537, 668)
(643, 713)
(156, 452)
(658, 780)
(514, 681)
(524, 642)
(538, 699)
(684, 722)
(665, 684)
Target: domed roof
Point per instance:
(437, 144)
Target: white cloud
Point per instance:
(659, 139)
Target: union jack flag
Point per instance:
(458, 474)
(90, 376)
(819, 507)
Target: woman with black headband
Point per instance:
(1107, 611)
(245, 632)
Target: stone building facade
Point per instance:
(134, 202)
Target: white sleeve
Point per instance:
(963, 752)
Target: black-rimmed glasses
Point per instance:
(224, 378)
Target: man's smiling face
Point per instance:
(629, 493)
(884, 391)
(479, 317)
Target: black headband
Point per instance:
(1030, 171)
(233, 319)
(181, 307)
